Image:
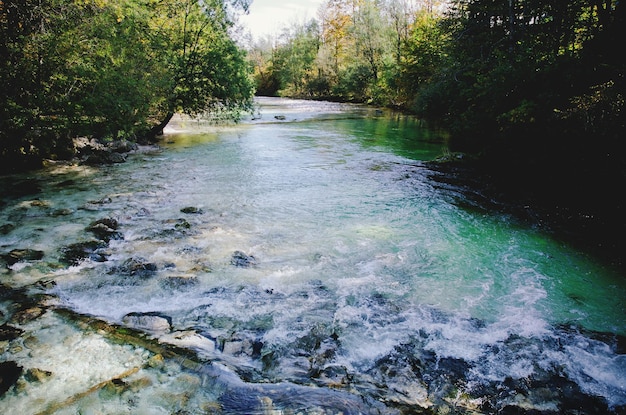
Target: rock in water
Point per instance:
(240, 259)
(192, 210)
(9, 332)
(153, 322)
(105, 229)
(9, 373)
(136, 267)
(75, 253)
(20, 255)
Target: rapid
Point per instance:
(302, 261)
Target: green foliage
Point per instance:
(109, 69)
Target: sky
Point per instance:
(268, 17)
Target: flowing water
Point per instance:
(320, 270)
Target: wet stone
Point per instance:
(21, 255)
(240, 259)
(28, 314)
(192, 210)
(100, 157)
(37, 375)
(138, 267)
(9, 374)
(179, 281)
(61, 212)
(75, 253)
(153, 322)
(105, 229)
(189, 339)
(8, 333)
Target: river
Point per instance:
(308, 263)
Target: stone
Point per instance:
(192, 210)
(8, 333)
(102, 157)
(105, 229)
(74, 254)
(61, 212)
(153, 322)
(21, 255)
(240, 259)
(179, 281)
(138, 267)
(37, 375)
(123, 146)
(9, 374)
(28, 314)
(189, 339)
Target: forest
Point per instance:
(483, 69)
(112, 69)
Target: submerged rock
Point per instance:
(240, 259)
(6, 228)
(153, 322)
(21, 255)
(179, 281)
(9, 374)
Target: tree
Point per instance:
(111, 68)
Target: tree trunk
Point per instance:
(157, 130)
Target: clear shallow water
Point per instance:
(369, 282)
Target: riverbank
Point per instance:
(576, 210)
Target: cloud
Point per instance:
(268, 17)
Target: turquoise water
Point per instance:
(358, 254)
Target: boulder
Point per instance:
(105, 229)
(123, 146)
(138, 267)
(21, 255)
(189, 339)
(8, 333)
(75, 253)
(9, 374)
(27, 314)
(152, 322)
(101, 157)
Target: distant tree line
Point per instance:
(111, 69)
(534, 87)
(531, 92)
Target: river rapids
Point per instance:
(300, 262)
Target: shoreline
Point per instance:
(595, 229)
